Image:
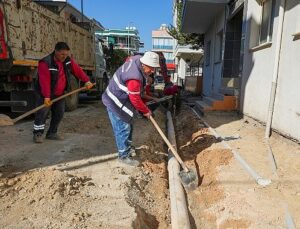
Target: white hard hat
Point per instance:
(151, 59)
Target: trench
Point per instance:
(147, 200)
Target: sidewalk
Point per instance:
(233, 198)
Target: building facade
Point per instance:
(125, 39)
(188, 61)
(163, 42)
(252, 51)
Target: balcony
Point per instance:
(166, 47)
(187, 53)
(198, 15)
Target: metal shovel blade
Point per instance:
(5, 120)
(189, 179)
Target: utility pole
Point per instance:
(128, 43)
(81, 10)
(128, 38)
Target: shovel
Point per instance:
(7, 121)
(188, 177)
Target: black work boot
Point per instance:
(38, 138)
(54, 136)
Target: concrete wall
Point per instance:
(181, 68)
(212, 73)
(257, 68)
(258, 71)
(287, 105)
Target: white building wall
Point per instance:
(258, 71)
(181, 69)
(257, 68)
(212, 73)
(286, 117)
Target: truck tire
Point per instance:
(72, 100)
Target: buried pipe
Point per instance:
(179, 211)
(259, 180)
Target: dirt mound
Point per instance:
(234, 224)
(37, 193)
(43, 184)
(208, 162)
(5, 120)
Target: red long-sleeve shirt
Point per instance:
(134, 87)
(45, 77)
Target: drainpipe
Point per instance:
(179, 211)
(276, 67)
(274, 85)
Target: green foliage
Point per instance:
(114, 59)
(193, 39)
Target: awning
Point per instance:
(171, 66)
(189, 54)
(198, 15)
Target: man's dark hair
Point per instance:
(61, 46)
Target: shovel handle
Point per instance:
(160, 100)
(42, 106)
(169, 144)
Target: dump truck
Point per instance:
(29, 31)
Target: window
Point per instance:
(267, 18)
(218, 49)
(162, 43)
(207, 53)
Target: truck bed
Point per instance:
(32, 32)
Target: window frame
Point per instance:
(208, 53)
(270, 22)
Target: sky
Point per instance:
(145, 15)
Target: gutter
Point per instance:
(275, 83)
(258, 179)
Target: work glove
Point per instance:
(47, 102)
(147, 115)
(88, 85)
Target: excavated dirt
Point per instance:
(78, 183)
(148, 188)
(194, 142)
(227, 196)
(44, 195)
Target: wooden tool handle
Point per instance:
(42, 106)
(160, 100)
(169, 144)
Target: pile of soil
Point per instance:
(195, 146)
(47, 192)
